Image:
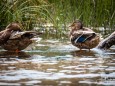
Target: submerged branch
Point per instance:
(107, 42)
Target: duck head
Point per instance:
(14, 26)
(76, 25)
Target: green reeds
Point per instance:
(93, 13)
(60, 13)
(26, 12)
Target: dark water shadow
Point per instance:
(9, 54)
(83, 53)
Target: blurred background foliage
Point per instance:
(54, 16)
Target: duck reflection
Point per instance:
(8, 54)
(83, 53)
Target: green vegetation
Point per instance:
(23, 11)
(60, 13)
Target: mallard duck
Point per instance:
(17, 40)
(83, 38)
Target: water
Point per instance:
(57, 63)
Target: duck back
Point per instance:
(4, 36)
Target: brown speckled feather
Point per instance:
(89, 43)
(4, 36)
(19, 40)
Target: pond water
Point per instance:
(57, 63)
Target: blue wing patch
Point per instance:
(83, 38)
(80, 39)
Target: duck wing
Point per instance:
(83, 36)
(28, 34)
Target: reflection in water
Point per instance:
(7, 54)
(83, 53)
(57, 64)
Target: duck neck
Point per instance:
(72, 31)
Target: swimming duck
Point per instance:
(15, 39)
(19, 40)
(81, 37)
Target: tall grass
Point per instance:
(26, 12)
(93, 13)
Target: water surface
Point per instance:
(57, 63)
